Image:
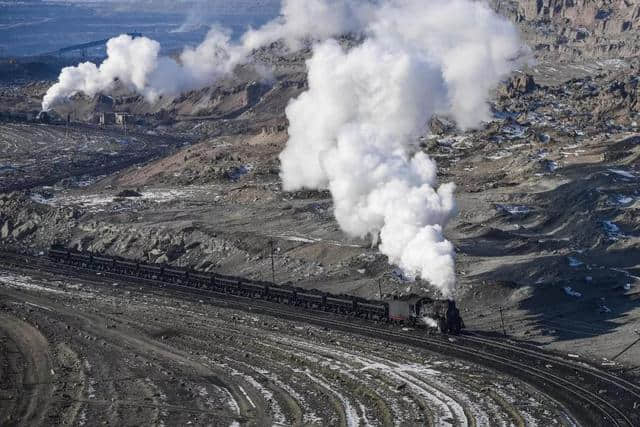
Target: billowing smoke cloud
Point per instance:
(354, 130)
(315, 19)
(137, 65)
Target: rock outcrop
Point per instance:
(577, 28)
(519, 84)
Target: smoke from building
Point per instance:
(136, 63)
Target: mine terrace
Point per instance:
(208, 270)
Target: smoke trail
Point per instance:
(136, 64)
(354, 130)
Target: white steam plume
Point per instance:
(430, 322)
(354, 130)
(136, 64)
(315, 19)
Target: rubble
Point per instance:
(520, 84)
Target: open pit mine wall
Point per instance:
(577, 28)
(605, 17)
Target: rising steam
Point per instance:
(137, 65)
(354, 131)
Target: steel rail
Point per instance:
(605, 408)
(628, 386)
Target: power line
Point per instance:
(273, 268)
(504, 331)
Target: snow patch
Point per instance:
(611, 230)
(623, 200)
(570, 292)
(25, 283)
(514, 209)
(622, 173)
(575, 262)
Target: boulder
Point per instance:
(440, 126)
(6, 229)
(129, 193)
(174, 252)
(544, 138)
(156, 252)
(162, 260)
(24, 230)
(520, 84)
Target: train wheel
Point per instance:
(458, 326)
(442, 326)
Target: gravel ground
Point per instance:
(75, 353)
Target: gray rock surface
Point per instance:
(574, 29)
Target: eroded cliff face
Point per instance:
(603, 16)
(577, 28)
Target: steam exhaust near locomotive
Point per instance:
(425, 311)
(411, 310)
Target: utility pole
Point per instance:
(380, 289)
(273, 268)
(504, 331)
(629, 346)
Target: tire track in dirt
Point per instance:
(33, 389)
(120, 354)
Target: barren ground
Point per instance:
(548, 206)
(76, 353)
(548, 232)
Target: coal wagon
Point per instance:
(410, 310)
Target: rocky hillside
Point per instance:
(577, 28)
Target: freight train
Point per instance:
(413, 310)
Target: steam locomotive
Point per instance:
(412, 310)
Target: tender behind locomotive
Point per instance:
(412, 310)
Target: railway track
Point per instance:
(592, 396)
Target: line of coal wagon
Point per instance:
(413, 310)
